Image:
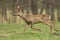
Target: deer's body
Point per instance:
(38, 18)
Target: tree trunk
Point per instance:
(58, 14)
(4, 14)
(13, 9)
(34, 6)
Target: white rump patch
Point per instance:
(49, 17)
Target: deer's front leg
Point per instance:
(25, 28)
(35, 28)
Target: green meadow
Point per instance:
(15, 31)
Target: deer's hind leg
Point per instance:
(52, 25)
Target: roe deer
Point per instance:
(38, 18)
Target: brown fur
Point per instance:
(38, 18)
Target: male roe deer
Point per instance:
(38, 18)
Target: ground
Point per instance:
(15, 32)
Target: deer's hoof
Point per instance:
(56, 30)
(57, 34)
(40, 30)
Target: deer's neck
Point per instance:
(22, 16)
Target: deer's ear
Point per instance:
(49, 17)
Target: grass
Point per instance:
(14, 32)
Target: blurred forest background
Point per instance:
(9, 7)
